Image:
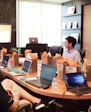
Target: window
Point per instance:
(36, 19)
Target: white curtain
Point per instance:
(36, 19)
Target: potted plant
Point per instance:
(14, 50)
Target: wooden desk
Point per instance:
(57, 92)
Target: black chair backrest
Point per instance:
(83, 54)
(56, 49)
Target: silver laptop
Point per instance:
(24, 70)
(33, 40)
(47, 74)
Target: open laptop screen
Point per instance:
(26, 65)
(5, 60)
(75, 79)
(33, 40)
(48, 72)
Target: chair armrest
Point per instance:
(27, 107)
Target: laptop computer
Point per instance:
(76, 83)
(5, 61)
(48, 72)
(24, 70)
(33, 40)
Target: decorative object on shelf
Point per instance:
(71, 10)
(75, 24)
(69, 25)
(72, 16)
(64, 25)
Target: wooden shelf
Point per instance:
(76, 14)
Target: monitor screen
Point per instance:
(5, 33)
(5, 60)
(74, 79)
(48, 72)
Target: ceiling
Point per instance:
(57, 1)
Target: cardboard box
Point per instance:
(34, 57)
(46, 60)
(15, 60)
(88, 72)
(34, 65)
(70, 69)
(60, 71)
(3, 52)
(26, 52)
(55, 59)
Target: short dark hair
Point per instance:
(72, 40)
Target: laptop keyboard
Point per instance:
(20, 72)
(39, 83)
(81, 91)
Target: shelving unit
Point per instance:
(71, 24)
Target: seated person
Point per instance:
(11, 95)
(71, 52)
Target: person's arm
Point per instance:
(12, 86)
(16, 100)
(8, 100)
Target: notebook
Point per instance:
(48, 72)
(76, 83)
(24, 70)
(5, 61)
(33, 40)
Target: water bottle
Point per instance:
(83, 68)
(54, 83)
(19, 50)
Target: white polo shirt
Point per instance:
(72, 54)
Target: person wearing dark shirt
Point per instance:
(4, 97)
(11, 95)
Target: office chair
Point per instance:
(26, 107)
(82, 53)
(56, 49)
(61, 50)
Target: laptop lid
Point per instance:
(26, 65)
(48, 72)
(73, 80)
(33, 40)
(5, 60)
